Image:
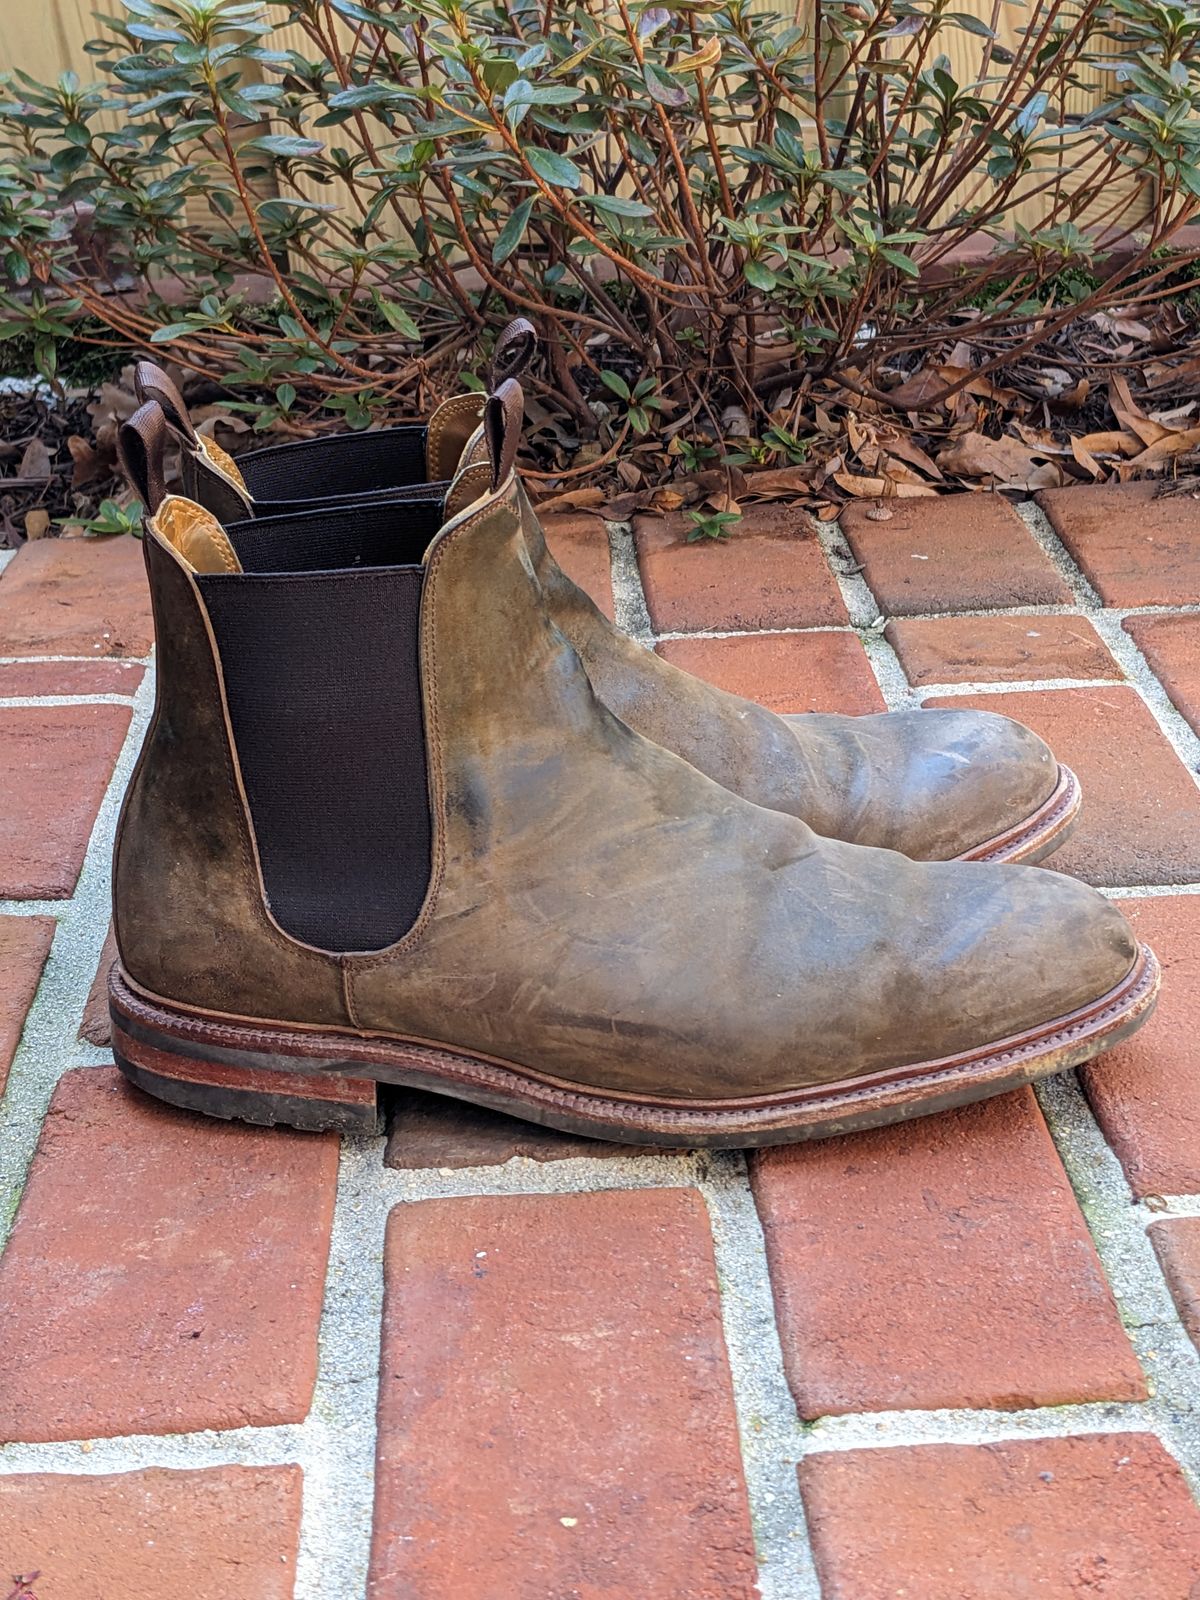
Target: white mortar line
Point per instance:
(1017, 686)
(867, 618)
(629, 597)
(1148, 1312)
(771, 1436)
(1040, 526)
(1175, 728)
(74, 661)
(48, 1045)
(39, 701)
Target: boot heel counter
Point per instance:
(191, 921)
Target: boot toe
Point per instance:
(939, 784)
(1064, 944)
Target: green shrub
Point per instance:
(707, 202)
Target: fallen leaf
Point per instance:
(35, 463)
(1006, 460)
(87, 463)
(777, 482)
(1164, 450)
(574, 500)
(874, 488)
(37, 523)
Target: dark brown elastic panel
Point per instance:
(372, 533)
(322, 677)
(341, 464)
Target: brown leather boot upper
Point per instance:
(933, 784)
(597, 910)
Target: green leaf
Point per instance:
(173, 330)
(617, 206)
(553, 168)
(905, 263)
(615, 382)
(970, 24)
(285, 144)
(512, 232)
(396, 317)
(760, 277)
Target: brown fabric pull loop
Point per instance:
(502, 422)
(150, 382)
(515, 349)
(141, 447)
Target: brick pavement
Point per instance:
(951, 1360)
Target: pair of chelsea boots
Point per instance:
(411, 811)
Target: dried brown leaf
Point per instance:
(1006, 461)
(37, 523)
(776, 483)
(36, 462)
(873, 488)
(574, 500)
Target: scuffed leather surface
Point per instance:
(190, 920)
(603, 912)
(933, 784)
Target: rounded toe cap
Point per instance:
(940, 784)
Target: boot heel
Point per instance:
(235, 1083)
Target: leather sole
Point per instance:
(267, 1073)
(1039, 834)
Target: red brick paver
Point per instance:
(959, 553)
(999, 649)
(1146, 1093)
(227, 1533)
(24, 945)
(1172, 647)
(1141, 810)
(579, 544)
(770, 573)
(1177, 1244)
(1038, 1519)
(786, 672)
(1137, 546)
(943, 1262)
(25, 679)
(165, 1271)
(55, 764)
(555, 1412)
(76, 597)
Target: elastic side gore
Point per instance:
(323, 685)
(337, 464)
(374, 533)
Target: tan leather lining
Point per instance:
(472, 481)
(195, 535)
(451, 425)
(221, 461)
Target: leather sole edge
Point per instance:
(273, 1075)
(1041, 833)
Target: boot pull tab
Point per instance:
(141, 448)
(150, 382)
(502, 421)
(515, 349)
